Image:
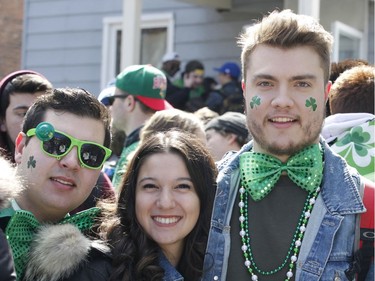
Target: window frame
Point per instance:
(111, 25)
(340, 28)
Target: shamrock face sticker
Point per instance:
(311, 103)
(31, 162)
(255, 101)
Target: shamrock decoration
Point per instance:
(31, 162)
(255, 101)
(356, 145)
(311, 102)
(360, 140)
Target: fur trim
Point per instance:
(56, 252)
(10, 184)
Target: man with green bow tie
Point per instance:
(286, 206)
(59, 154)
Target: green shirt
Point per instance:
(122, 164)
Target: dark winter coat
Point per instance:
(9, 186)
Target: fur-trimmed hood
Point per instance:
(58, 251)
(10, 184)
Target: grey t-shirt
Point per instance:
(272, 223)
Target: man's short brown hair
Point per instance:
(353, 91)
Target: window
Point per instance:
(348, 42)
(156, 39)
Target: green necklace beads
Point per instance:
(294, 248)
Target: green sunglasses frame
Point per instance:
(74, 142)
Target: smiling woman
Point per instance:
(166, 202)
(164, 208)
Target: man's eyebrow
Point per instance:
(263, 76)
(303, 77)
(294, 78)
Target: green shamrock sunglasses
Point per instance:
(57, 144)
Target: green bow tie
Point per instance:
(23, 225)
(260, 172)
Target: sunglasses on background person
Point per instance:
(110, 100)
(57, 144)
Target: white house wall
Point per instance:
(63, 38)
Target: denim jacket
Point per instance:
(328, 245)
(170, 272)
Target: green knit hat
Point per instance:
(145, 82)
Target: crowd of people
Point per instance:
(258, 174)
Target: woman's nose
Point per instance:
(166, 199)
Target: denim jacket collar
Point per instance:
(170, 272)
(335, 202)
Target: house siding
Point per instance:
(370, 33)
(62, 40)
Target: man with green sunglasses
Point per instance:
(64, 142)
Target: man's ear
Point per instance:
(232, 138)
(327, 90)
(130, 102)
(19, 146)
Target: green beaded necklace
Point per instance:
(294, 246)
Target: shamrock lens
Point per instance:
(91, 155)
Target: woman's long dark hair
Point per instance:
(136, 256)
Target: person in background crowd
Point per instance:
(106, 94)
(140, 92)
(170, 66)
(58, 164)
(191, 99)
(175, 95)
(227, 132)
(209, 85)
(339, 67)
(174, 119)
(287, 207)
(349, 130)
(229, 96)
(205, 114)
(18, 90)
(350, 133)
(118, 136)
